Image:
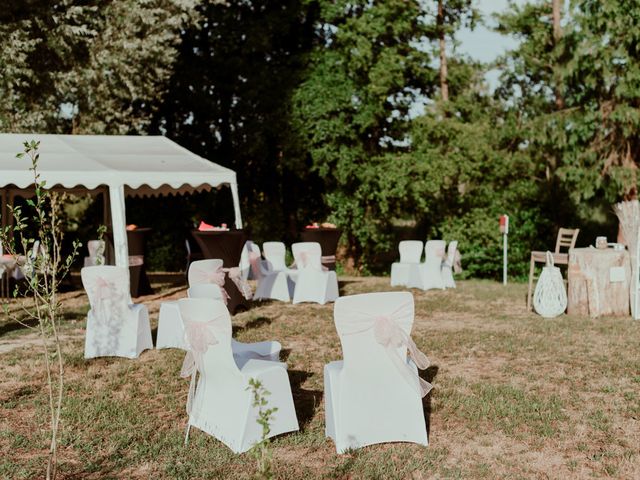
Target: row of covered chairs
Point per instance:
(435, 272)
(378, 378)
(306, 280)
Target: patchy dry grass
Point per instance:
(516, 396)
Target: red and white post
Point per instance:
(504, 229)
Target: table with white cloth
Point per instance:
(598, 282)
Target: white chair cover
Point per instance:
(447, 265)
(171, 336)
(201, 272)
(114, 326)
(275, 254)
(96, 250)
(410, 253)
(275, 280)
(221, 405)
(313, 283)
(375, 395)
(429, 274)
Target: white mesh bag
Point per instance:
(550, 297)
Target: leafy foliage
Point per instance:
(331, 110)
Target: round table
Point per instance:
(328, 239)
(226, 246)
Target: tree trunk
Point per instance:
(556, 9)
(444, 85)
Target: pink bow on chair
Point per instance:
(108, 299)
(199, 337)
(388, 333)
(254, 261)
(235, 274)
(212, 276)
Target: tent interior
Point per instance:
(114, 167)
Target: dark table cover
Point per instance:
(139, 282)
(328, 239)
(226, 246)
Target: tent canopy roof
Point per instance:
(142, 164)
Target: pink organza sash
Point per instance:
(108, 299)
(388, 332)
(254, 261)
(235, 274)
(306, 260)
(201, 275)
(457, 262)
(199, 336)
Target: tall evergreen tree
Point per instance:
(351, 111)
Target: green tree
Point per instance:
(94, 66)
(351, 112)
(229, 101)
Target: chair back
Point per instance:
(206, 271)
(247, 250)
(434, 249)
(410, 251)
(107, 287)
(566, 238)
(307, 255)
(205, 290)
(367, 362)
(208, 332)
(451, 252)
(275, 253)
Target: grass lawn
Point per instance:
(515, 396)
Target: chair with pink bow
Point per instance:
(410, 253)
(375, 394)
(275, 280)
(222, 403)
(314, 282)
(267, 350)
(115, 327)
(250, 255)
(448, 265)
(429, 275)
(201, 272)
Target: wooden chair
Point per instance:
(566, 238)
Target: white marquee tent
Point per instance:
(116, 165)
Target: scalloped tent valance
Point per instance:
(126, 165)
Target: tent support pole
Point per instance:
(236, 204)
(119, 225)
(3, 213)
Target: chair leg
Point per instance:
(531, 274)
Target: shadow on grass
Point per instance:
(305, 401)
(284, 354)
(255, 323)
(343, 283)
(13, 325)
(428, 375)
